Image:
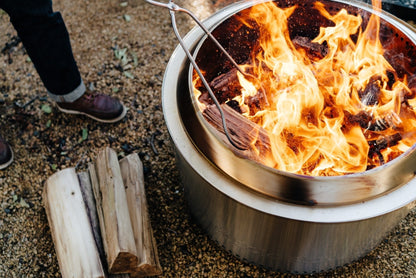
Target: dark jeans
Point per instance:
(47, 43)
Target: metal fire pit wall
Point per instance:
(290, 187)
(261, 229)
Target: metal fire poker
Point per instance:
(172, 7)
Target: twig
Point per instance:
(80, 159)
(152, 144)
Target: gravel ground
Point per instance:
(122, 48)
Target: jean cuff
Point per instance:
(71, 96)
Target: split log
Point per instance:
(72, 234)
(225, 80)
(89, 200)
(132, 173)
(243, 132)
(113, 213)
(313, 50)
(225, 86)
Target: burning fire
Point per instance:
(332, 105)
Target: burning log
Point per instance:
(242, 131)
(399, 62)
(113, 213)
(70, 226)
(376, 146)
(372, 91)
(224, 81)
(366, 121)
(313, 50)
(363, 118)
(132, 173)
(257, 102)
(225, 86)
(411, 83)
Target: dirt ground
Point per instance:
(122, 48)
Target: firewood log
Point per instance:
(71, 231)
(225, 87)
(225, 80)
(243, 132)
(132, 173)
(89, 200)
(313, 50)
(113, 213)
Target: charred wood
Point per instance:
(411, 84)
(223, 81)
(376, 146)
(235, 105)
(313, 50)
(257, 102)
(371, 93)
(362, 118)
(399, 62)
(225, 87)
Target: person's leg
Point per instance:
(46, 40)
(47, 43)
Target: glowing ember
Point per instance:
(333, 105)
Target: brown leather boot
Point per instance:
(6, 154)
(99, 107)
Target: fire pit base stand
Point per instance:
(279, 236)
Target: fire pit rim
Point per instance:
(403, 196)
(250, 3)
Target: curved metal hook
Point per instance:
(172, 7)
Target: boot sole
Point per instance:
(74, 112)
(5, 165)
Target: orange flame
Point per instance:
(315, 107)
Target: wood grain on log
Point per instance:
(72, 234)
(243, 132)
(89, 200)
(113, 213)
(132, 173)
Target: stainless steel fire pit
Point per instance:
(286, 186)
(285, 234)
